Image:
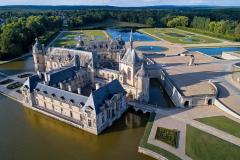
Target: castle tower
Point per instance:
(130, 63)
(38, 56)
(143, 85)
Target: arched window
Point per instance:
(129, 74)
(186, 104)
(210, 102)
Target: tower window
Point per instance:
(89, 123)
(129, 74)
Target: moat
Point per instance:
(30, 135)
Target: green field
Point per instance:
(222, 123)
(178, 36)
(69, 39)
(201, 145)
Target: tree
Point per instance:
(11, 40)
(237, 29)
(212, 26)
(36, 24)
(150, 21)
(178, 21)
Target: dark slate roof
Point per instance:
(105, 45)
(59, 94)
(98, 97)
(61, 54)
(32, 82)
(59, 75)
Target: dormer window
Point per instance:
(53, 95)
(82, 104)
(71, 100)
(45, 92)
(62, 98)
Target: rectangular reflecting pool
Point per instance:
(214, 51)
(125, 34)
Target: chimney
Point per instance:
(61, 85)
(79, 90)
(69, 88)
(191, 61)
(46, 77)
(97, 86)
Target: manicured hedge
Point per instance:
(169, 136)
(6, 81)
(14, 85)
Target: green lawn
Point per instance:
(222, 123)
(178, 36)
(203, 146)
(69, 39)
(145, 144)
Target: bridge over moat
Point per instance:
(148, 108)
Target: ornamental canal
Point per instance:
(26, 134)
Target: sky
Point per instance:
(122, 3)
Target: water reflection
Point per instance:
(215, 51)
(21, 65)
(122, 137)
(125, 34)
(158, 95)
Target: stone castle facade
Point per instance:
(87, 87)
(104, 62)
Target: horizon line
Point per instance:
(72, 5)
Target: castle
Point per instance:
(89, 86)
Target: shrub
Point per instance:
(169, 136)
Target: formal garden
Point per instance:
(169, 136)
(68, 39)
(174, 35)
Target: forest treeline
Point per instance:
(21, 27)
